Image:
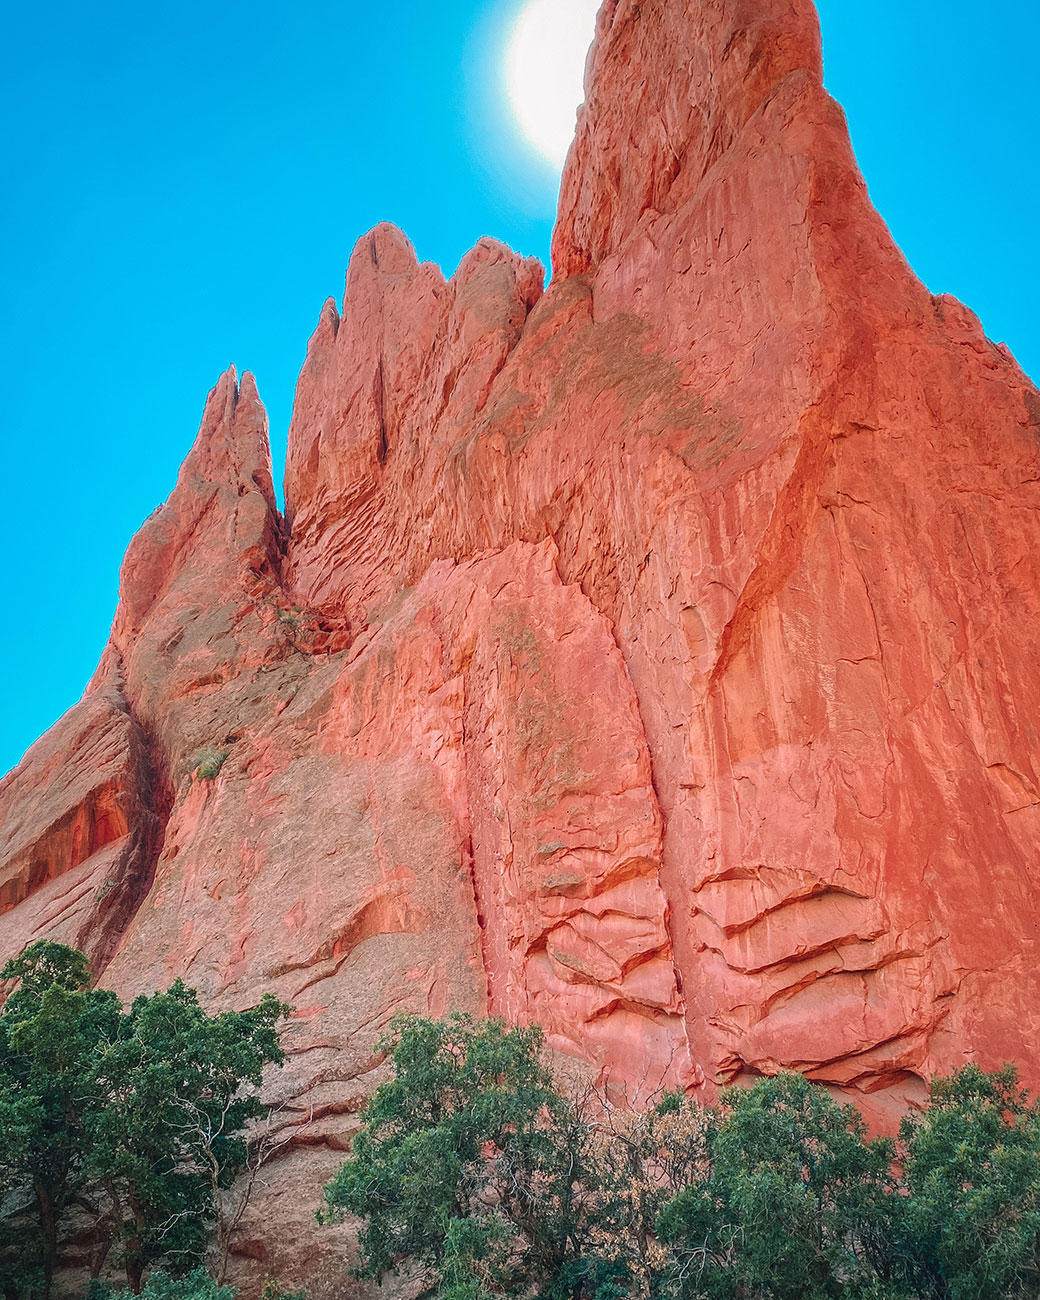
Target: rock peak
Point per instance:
(669, 88)
(653, 657)
(223, 508)
(387, 249)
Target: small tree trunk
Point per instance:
(48, 1234)
(102, 1256)
(135, 1247)
(223, 1248)
(134, 1273)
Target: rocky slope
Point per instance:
(655, 657)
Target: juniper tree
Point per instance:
(793, 1202)
(970, 1222)
(134, 1118)
(50, 1029)
(179, 1087)
(470, 1164)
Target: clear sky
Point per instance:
(182, 185)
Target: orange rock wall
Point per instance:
(654, 657)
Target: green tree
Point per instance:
(793, 1202)
(14, 1134)
(471, 1165)
(179, 1087)
(136, 1118)
(970, 1228)
(49, 1031)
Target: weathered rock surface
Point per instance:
(79, 831)
(655, 657)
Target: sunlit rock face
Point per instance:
(654, 657)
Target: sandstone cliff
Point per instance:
(655, 657)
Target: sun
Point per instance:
(545, 64)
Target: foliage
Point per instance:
(971, 1221)
(644, 1158)
(272, 1289)
(45, 965)
(49, 1031)
(169, 1135)
(133, 1119)
(196, 1285)
(471, 1165)
(793, 1201)
(474, 1167)
(208, 761)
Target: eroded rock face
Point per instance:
(654, 657)
(81, 821)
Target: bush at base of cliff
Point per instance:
(272, 1289)
(792, 1203)
(132, 1120)
(471, 1165)
(196, 1285)
(970, 1223)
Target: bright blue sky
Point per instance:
(183, 184)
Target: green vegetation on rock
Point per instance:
(196, 1285)
(208, 761)
(470, 1164)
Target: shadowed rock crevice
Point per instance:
(83, 818)
(147, 837)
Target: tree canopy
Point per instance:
(473, 1167)
(480, 1175)
(470, 1163)
(129, 1121)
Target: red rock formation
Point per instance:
(79, 832)
(654, 657)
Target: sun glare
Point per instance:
(545, 63)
